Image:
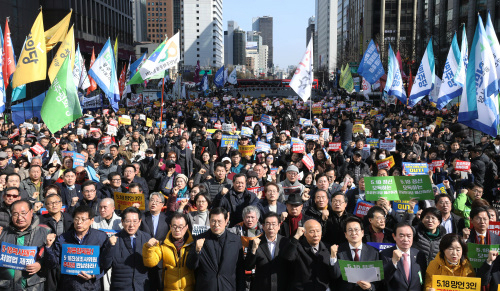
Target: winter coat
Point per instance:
(428, 246)
(440, 266)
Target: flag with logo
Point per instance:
(61, 105)
(57, 33)
(424, 80)
(303, 78)
(103, 71)
(232, 79)
(32, 65)
(449, 89)
(479, 106)
(80, 77)
(371, 67)
(461, 73)
(67, 48)
(495, 46)
(8, 60)
(394, 84)
(219, 78)
(347, 81)
(134, 67)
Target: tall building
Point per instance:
(239, 47)
(264, 24)
(160, 19)
(139, 18)
(228, 42)
(202, 33)
(311, 23)
(326, 30)
(349, 31)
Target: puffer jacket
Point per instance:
(176, 276)
(440, 266)
(35, 235)
(428, 246)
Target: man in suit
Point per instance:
(265, 257)
(353, 250)
(404, 266)
(451, 222)
(310, 261)
(70, 192)
(154, 223)
(293, 218)
(217, 257)
(270, 203)
(480, 222)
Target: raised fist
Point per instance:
(199, 244)
(300, 232)
(113, 240)
(396, 256)
(51, 237)
(152, 242)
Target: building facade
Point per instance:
(228, 42)
(326, 30)
(264, 24)
(239, 47)
(139, 20)
(160, 16)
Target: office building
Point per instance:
(264, 25)
(326, 31)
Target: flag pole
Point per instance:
(161, 107)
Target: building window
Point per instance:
(198, 49)
(197, 30)
(197, 18)
(197, 11)
(197, 55)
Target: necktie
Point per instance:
(132, 242)
(481, 239)
(314, 250)
(356, 256)
(406, 266)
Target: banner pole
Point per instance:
(161, 107)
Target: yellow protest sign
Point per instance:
(124, 200)
(157, 103)
(255, 101)
(288, 101)
(247, 150)
(209, 105)
(358, 128)
(386, 163)
(438, 121)
(149, 122)
(358, 121)
(373, 112)
(249, 111)
(456, 283)
(316, 108)
(121, 111)
(124, 121)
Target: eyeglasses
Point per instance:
(133, 222)
(379, 218)
(216, 222)
(89, 191)
(16, 215)
(431, 218)
(53, 203)
(155, 202)
(178, 227)
(78, 220)
(355, 230)
(338, 201)
(272, 225)
(10, 196)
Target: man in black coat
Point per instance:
(293, 218)
(311, 267)
(353, 250)
(266, 257)
(404, 266)
(479, 232)
(69, 190)
(217, 257)
(334, 224)
(149, 169)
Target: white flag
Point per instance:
(461, 72)
(449, 89)
(80, 77)
(495, 46)
(424, 80)
(302, 81)
(232, 79)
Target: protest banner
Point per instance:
(256, 190)
(373, 142)
(462, 166)
(163, 124)
(262, 147)
(80, 258)
(401, 206)
(111, 130)
(17, 257)
(78, 159)
(274, 171)
(199, 229)
(124, 200)
(388, 144)
(479, 253)
(247, 150)
(456, 283)
(298, 148)
(266, 119)
(361, 208)
(415, 169)
(38, 149)
(353, 272)
(399, 188)
(209, 105)
(386, 163)
(334, 146)
(441, 188)
(249, 118)
(109, 232)
(358, 128)
(149, 122)
(88, 120)
(269, 136)
(439, 120)
(437, 164)
(246, 131)
(494, 227)
(373, 112)
(380, 246)
(316, 108)
(106, 140)
(81, 131)
(229, 140)
(313, 137)
(308, 162)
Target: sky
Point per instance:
(289, 20)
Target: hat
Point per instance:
(170, 163)
(251, 174)
(3, 155)
(226, 159)
(26, 146)
(294, 199)
(4, 138)
(63, 141)
(150, 150)
(243, 137)
(170, 130)
(18, 148)
(292, 168)
(183, 177)
(357, 153)
(107, 156)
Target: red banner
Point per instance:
(38, 149)
(462, 166)
(308, 162)
(249, 118)
(494, 227)
(298, 148)
(334, 146)
(362, 208)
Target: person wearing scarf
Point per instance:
(179, 191)
(293, 217)
(377, 231)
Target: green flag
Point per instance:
(61, 105)
(347, 81)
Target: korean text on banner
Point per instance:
(398, 188)
(124, 200)
(247, 150)
(479, 253)
(16, 257)
(380, 246)
(414, 169)
(361, 208)
(229, 140)
(388, 144)
(353, 272)
(80, 258)
(386, 163)
(334, 146)
(462, 166)
(440, 282)
(494, 227)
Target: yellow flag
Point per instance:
(57, 33)
(67, 47)
(116, 51)
(32, 63)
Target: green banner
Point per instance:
(353, 272)
(479, 253)
(398, 188)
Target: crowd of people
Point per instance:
(218, 217)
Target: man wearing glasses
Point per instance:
(24, 231)
(125, 259)
(291, 185)
(10, 195)
(377, 230)
(5, 167)
(479, 232)
(90, 198)
(81, 234)
(172, 252)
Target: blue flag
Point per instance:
(424, 80)
(204, 82)
(135, 65)
(370, 66)
(219, 78)
(449, 89)
(394, 85)
(495, 46)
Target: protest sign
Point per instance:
(456, 283)
(78, 159)
(226, 127)
(308, 162)
(398, 188)
(106, 140)
(229, 140)
(415, 169)
(373, 142)
(479, 253)
(269, 136)
(494, 227)
(80, 258)
(38, 149)
(358, 128)
(353, 272)
(109, 232)
(246, 131)
(199, 229)
(388, 144)
(274, 171)
(124, 200)
(314, 137)
(402, 206)
(124, 121)
(373, 112)
(249, 118)
(88, 120)
(386, 163)
(441, 188)
(113, 122)
(262, 147)
(256, 190)
(298, 148)
(462, 166)
(149, 122)
(16, 257)
(361, 208)
(163, 124)
(111, 130)
(266, 119)
(380, 246)
(437, 164)
(247, 150)
(334, 146)
(439, 120)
